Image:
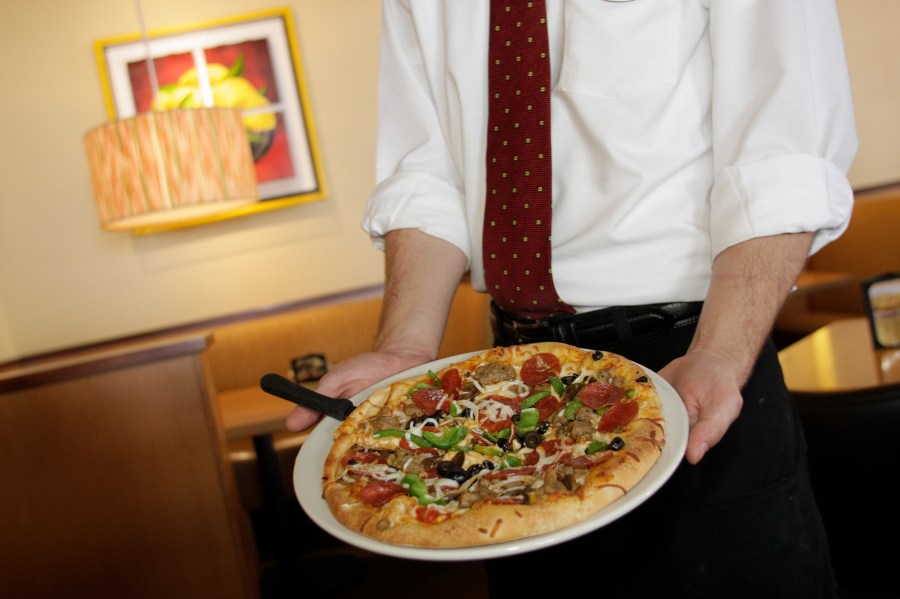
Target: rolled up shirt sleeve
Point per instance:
(782, 124)
(418, 183)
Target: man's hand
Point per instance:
(749, 285)
(711, 392)
(352, 376)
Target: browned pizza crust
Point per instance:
(546, 504)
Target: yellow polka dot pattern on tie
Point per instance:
(516, 235)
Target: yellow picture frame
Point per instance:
(250, 61)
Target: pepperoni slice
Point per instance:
(538, 368)
(451, 383)
(598, 394)
(428, 398)
(512, 402)
(552, 446)
(362, 457)
(547, 407)
(618, 416)
(379, 492)
(493, 426)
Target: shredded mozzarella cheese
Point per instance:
(416, 429)
(495, 410)
(377, 471)
(471, 405)
(442, 485)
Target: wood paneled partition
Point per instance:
(115, 478)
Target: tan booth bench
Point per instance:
(337, 327)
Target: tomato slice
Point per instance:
(427, 515)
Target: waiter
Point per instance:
(696, 156)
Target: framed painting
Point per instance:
(250, 62)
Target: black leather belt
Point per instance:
(598, 328)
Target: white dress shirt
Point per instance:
(679, 127)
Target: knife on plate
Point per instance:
(282, 387)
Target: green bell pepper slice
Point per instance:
(558, 386)
(420, 441)
(595, 446)
(450, 437)
(503, 434)
(388, 432)
(533, 399)
(393, 432)
(528, 420)
(510, 461)
(417, 488)
(488, 450)
(571, 408)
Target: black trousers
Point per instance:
(741, 523)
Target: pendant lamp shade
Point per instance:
(158, 168)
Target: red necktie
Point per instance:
(516, 234)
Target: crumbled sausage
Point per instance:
(552, 484)
(412, 410)
(584, 414)
(578, 429)
(409, 461)
(608, 375)
(380, 423)
(468, 391)
(472, 496)
(488, 374)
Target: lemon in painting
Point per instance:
(216, 71)
(239, 92)
(177, 96)
(230, 89)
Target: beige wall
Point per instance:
(873, 54)
(63, 282)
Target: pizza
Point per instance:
(509, 443)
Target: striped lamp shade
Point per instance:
(164, 167)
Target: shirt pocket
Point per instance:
(620, 49)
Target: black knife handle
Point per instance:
(279, 386)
